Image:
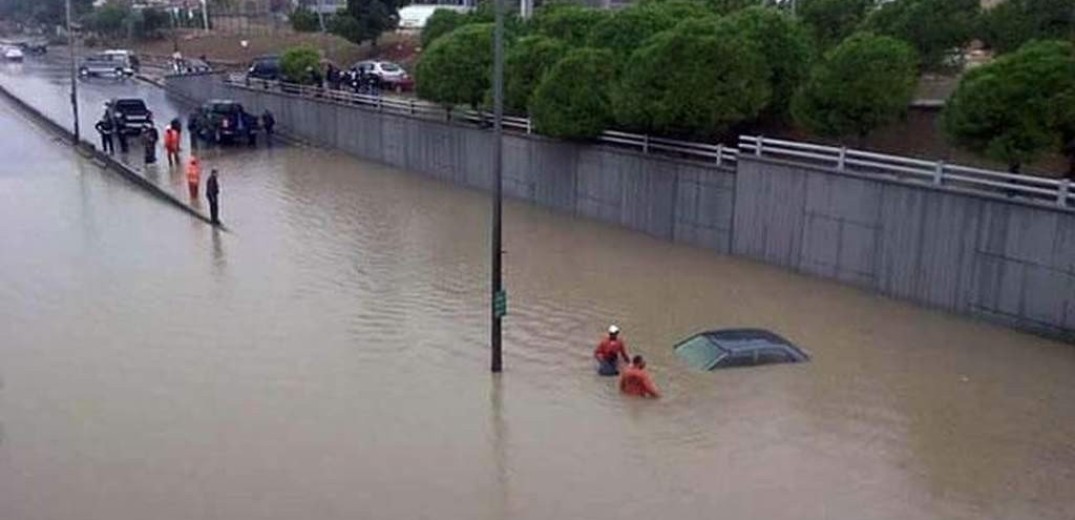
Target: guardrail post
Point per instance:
(1063, 191)
(645, 144)
(529, 127)
(379, 104)
(938, 173)
(411, 103)
(757, 149)
(841, 159)
(720, 154)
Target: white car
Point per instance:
(13, 54)
(391, 75)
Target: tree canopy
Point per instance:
(865, 82)
(833, 20)
(572, 100)
(365, 20)
(1012, 23)
(568, 22)
(297, 61)
(933, 27)
(441, 22)
(1017, 107)
(456, 68)
(786, 46)
(525, 65)
(696, 79)
(626, 29)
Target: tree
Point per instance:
(1017, 107)
(723, 7)
(108, 20)
(368, 20)
(865, 82)
(572, 99)
(679, 10)
(568, 22)
(625, 30)
(45, 12)
(1012, 23)
(525, 64)
(456, 68)
(832, 20)
(297, 61)
(697, 79)
(933, 27)
(304, 20)
(786, 46)
(441, 22)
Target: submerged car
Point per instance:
(223, 120)
(738, 348)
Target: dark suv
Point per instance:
(128, 114)
(222, 120)
(264, 68)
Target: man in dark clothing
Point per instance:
(122, 137)
(268, 122)
(212, 192)
(149, 142)
(192, 129)
(106, 128)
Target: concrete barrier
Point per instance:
(108, 161)
(1006, 261)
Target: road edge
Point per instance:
(110, 163)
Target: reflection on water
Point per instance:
(327, 359)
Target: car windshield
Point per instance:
(700, 353)
(130, 105)
(390, 67)
(224, 108)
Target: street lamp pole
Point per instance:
(205, 15)
(74, 70)
(498, 301)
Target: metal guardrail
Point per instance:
(1056, 192)
(710, 153)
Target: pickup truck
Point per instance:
(222, 120)
(129, 115)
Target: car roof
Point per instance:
(736, 340)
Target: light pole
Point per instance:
(74, 70)
(205, 15)
(499, 300)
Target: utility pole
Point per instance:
(499, 298)
(205, 15)
(74, 70)
(321, 15)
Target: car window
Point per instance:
(738, 359)
(390, 67)
(772, 355)
(132, 105)
(699, 352)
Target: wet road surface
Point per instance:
(327, 359)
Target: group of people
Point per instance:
(613, 360)
(356, 79)
(110, 130)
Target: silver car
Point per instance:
(391, 75)
(103, 65)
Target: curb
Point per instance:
(85, 148)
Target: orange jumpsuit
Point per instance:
(637, 382)
(194, 176)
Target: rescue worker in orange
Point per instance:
(609, 352)
(194, 176)
(171, 146)
(636, 381)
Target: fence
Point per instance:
(710, 153)
(1040, 190)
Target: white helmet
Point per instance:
(612, 329)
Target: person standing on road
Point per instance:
(636, 381)
(609, 352)
(192, 129)
(171, 146)
(149, 142)
(105, 127)
(194, 177)
(212, 192)
(268, 122)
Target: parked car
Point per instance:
(13, 54)
(129, 115)
(392, 76)
(102, 65)
(222, 120)
(190, 66)
(264, 68)
(34, 47)
(737, 348)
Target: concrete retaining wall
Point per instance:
(984, 256)
(676, 200)
(1005, 261)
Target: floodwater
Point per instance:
(327, 359)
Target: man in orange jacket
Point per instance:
(636, 381)
(171, 146)
(194, 176)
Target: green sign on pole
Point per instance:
(500, 304)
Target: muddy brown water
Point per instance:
(327, 359)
